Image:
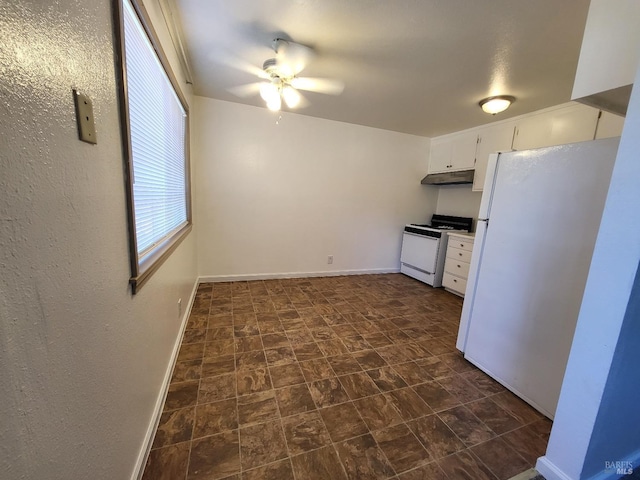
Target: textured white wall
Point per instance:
(279, 198)
(82, 362)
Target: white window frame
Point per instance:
(144, 264)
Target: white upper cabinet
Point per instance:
(575, 123)
(463, 151)
(440, 156)
(496, 138)
(609, 125)
(453, 152)
(568, 123)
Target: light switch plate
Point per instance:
(84, 116)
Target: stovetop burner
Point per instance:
(437, 227)
(447, 222)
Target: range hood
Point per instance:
(449, 178)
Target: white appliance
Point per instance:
(539, 218)
(424, 247)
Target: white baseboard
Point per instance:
(550, 471)
(138, 471)
(271, 276)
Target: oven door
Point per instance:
(419, 252)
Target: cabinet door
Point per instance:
(609, 125)
(440, 155)
(497, 138)
(532, 132)
(575, 123)
(463, 151)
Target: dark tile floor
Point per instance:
(335, 378)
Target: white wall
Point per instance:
(616, 436)
(610, 47)
(458, 200)
(279, 198)
(82, 361)
(607, 299)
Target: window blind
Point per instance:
(157, 122)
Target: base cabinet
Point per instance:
(456, 267)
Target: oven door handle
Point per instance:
(428, 237)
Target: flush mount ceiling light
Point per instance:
(496, 104)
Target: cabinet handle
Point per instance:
(460, 254)
(462, 244)
(459, 266)
(455, 280)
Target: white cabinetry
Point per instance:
(453, 152)
(440, 155)
(496, 138)
(568, 123)
(456, 266)
(575, 123)
(609, 125)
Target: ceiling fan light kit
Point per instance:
(281, 82)
(496, 104)
(291, 96)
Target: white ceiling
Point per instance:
(413, 66)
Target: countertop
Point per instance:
(462, 234)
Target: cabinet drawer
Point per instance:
(456, 267)
(459, 254)
(454, 283)
(461, 243)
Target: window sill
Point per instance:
(157, 257)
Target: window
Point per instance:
(155, 129)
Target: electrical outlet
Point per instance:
(330, 259)
(179, 307)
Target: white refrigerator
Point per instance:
(539, 217)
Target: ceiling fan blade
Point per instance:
(243, 66)
(319, 85)
(245, 90)
(292, 57)
(293, 98)
(303, 103)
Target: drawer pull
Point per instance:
(460, 254)
(455, 280)
(459, 266)
(462, 244)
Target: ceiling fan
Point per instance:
(281, 81)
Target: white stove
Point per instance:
(424, 247)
